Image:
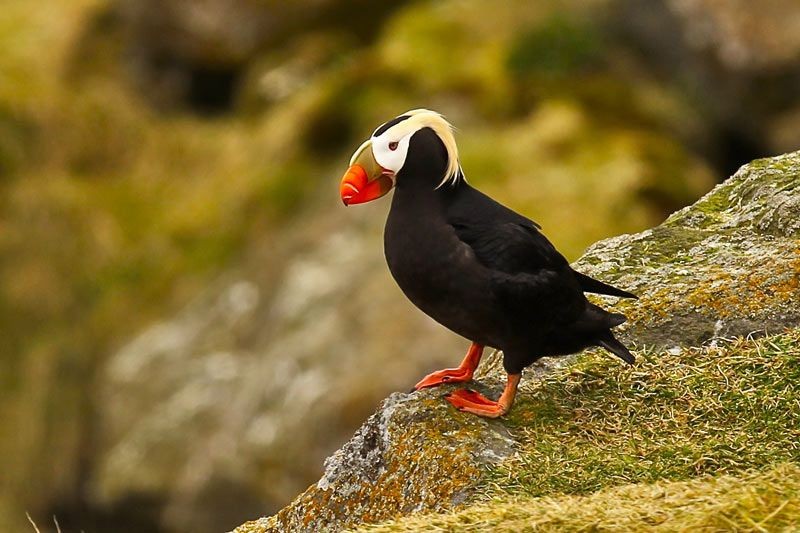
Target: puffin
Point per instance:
(476, 267)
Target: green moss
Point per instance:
(670, 245)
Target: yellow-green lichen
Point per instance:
(416, 453)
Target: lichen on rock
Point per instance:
(728, 265)
(411, 455)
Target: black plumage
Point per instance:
(485, 272)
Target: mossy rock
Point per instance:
(728, 265)
(409, 456)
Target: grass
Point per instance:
(698, 438)
(36, 528)
(707, 410)
(768, 501)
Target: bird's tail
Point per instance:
(610, 343)
(598, 287)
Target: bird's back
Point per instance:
(479, 268)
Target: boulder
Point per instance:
(410, 455)
(726, 266)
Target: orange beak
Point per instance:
(357, 188)
(365, 180)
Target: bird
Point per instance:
(480, 269)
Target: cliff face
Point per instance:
(727, 266)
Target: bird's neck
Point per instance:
(418, 198)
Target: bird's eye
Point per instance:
(393, 146)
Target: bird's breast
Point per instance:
(439, 274)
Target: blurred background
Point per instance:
(190, 321)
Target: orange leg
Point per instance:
(455, 375)
(478, 404)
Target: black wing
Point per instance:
(504, 240)
(527, 271)
(531, 279)
(509, 247)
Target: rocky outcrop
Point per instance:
(726, 266)
(410, 455)
(729, 265)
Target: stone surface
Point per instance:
(729, 265)
(409, 456)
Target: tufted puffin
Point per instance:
(475, 266)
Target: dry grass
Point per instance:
(36, 528)
(768, 501)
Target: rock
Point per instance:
(728, 265)
(411, 455)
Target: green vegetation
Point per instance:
(557, 47)
(699, 438)
(713, 410)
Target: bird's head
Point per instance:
(418, 144)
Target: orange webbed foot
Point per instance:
(476, 403)
(454, 375)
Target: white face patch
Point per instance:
(390, 145)
(390, 152)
